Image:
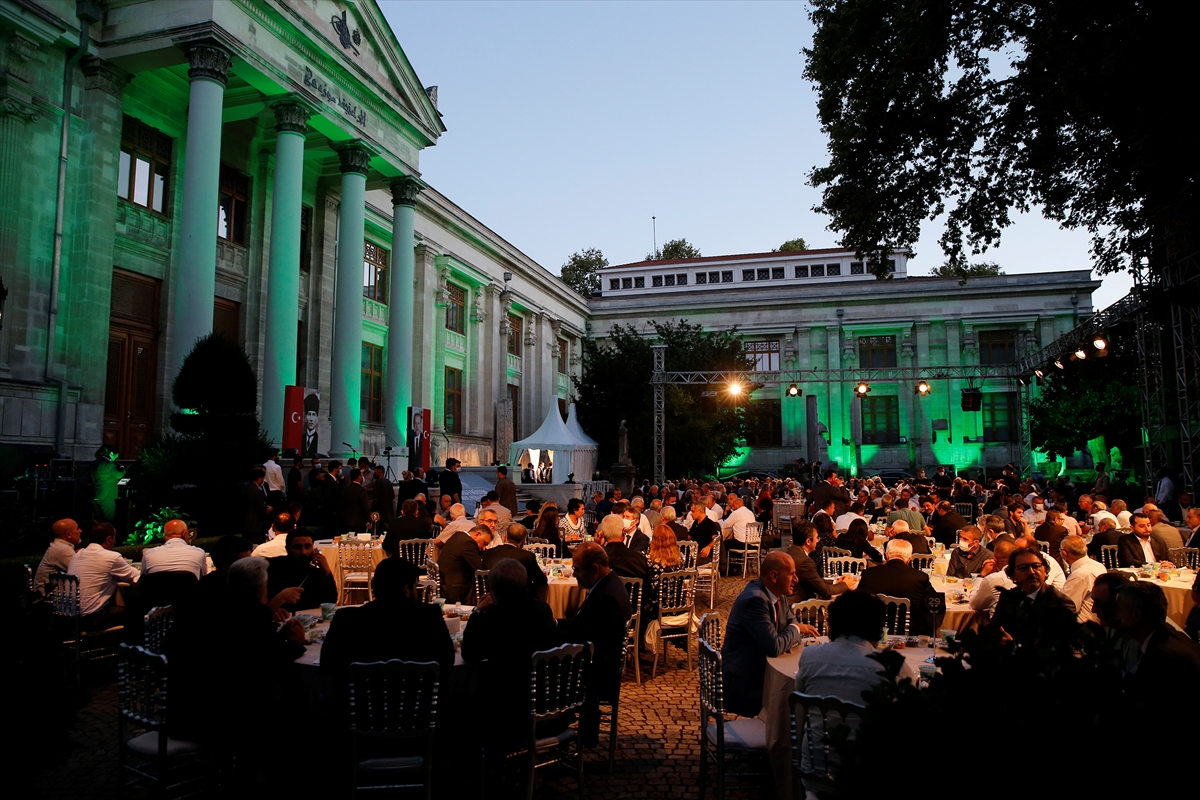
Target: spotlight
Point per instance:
(735, 389)
(1039, 372)
(1081, 354)
(1021, 380)
(794, 391)
(1058, 363)
(862, 389)
(1100, 342)
(923, 388)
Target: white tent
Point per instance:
(568, 453)
(577, 431)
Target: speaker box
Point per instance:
(972, 400)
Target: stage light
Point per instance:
(794, 391)
(735, 389)
(1021, 380)
(862, 389)
(1081, 354)
(1100, 342)
(923, 388)
(1039, 372)
(1058, 363)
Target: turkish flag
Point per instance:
(293, 417)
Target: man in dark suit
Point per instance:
(1022, 612)
(900, 530)
(460, 558)
(410, 487)
(1052, 531)
(1141, 546)
(356, 505)
(634, 538)
(295, 482)
(1106, 533)
(809, 583)
(304, 567)
(761, 626)
(506, 490)
(1169, 659)
(946, 523)
(514, 548)
(255, 510)
(407, 526)
(897, 579)
(622, 560)
(392, 626)
(831, 489)
(601, 620)
(449, 482)
(1191, 519)
(383, 499)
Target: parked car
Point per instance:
(891, 477)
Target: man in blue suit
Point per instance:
(761, 626)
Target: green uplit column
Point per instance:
(283, 286)
(397, 396)
(345, 383)
(195, 275)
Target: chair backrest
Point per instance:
(355, 556)
(414, 551)
(62, 590)
(813, 612)
(29, 575)
(481, 586)
(676, 592)
(1184, 557)
(690, 552)
(557, 680)
(156, 624)
(712, 699)
(754, 533)
(922, 560)
(899, 614)
(393, 699)
(142, 687)
(1045, 546)
(832, 552)
(966, 511)
(716, 553)
(710, 630)
(589, 519)
(1108, 556)
(817, 725)
(543, 551)
(634, 587)
(434, 573)
(425, 592)
(840, 565)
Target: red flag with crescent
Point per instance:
(293, 417)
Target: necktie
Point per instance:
(778, 614)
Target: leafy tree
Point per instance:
(925, 118)
(981, 270)
(676, 248)
(582, 271)
(791, 245)
(702, 430)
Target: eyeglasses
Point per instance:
(1030, 567)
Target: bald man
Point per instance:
(175, 555)
(58, 555)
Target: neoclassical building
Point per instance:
(228, 165)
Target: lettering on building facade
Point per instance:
(351, 110)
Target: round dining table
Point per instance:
(565, 594)
(1178, 591)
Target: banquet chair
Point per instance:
(632, 635)
(1043, 546)
(813, 612)
(543, 551)
(1185, 557)
(1108, 556)
(610, 714)
(840, 565)
(142, 695)
(710, 630)
(676, 603)
(425, 592)
(434, 573)
(690, 553)
(414, 551)
(899, 614)
(155, 626)
(751, 548)
(393, 710)
(967, 511)
(745, 737)
(29, 575)
(62, 592)
(922, 561)
(932, 542)
(356, 564)
(557, 682)
(830, 553)
(816, 728)
(481, 585)
(708, 574)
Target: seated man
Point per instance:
(1106, 534)
(459, 521)
(703, 531)
(99, 570)
(993, 579)
(622, 560)
(842, 668)
(58, 555)
(1140, 546)
(459, 561)
(276, 543)
(304, 567)
(897, 579)
(491, 502)
(392, 626)
(733, 527)
(514, 549)
(1055, 576)
(809, 583)
(1083, 574)
(633, 537)
(1169, 659)
(175, 555)
(409, 525)
(1021, 612)
(900, 531)
(968, 557)
(761, 626)
(1164, 530)
(1052, 531)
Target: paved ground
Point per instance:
(657, 751)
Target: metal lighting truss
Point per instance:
(1181, 280)
(660, 412)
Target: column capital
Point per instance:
(355, 157)
(207, 61)
(291, 116)
(13, 106)
(105, 76)
(15, 57)
(405, 190)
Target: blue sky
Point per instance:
(570, 124)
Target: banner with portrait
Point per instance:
(418, 438)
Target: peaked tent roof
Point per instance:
(576, 429)
(552, 435)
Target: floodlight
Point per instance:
(923, 388)
(862, 389)
(1100, 342)
(1039, 372)
(1081, 354)
(1058, 363)
(735, 388)
(794, 391)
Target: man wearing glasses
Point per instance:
(1022, 611)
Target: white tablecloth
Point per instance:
(1178, 592)
(329, 550)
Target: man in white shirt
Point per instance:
(711, 509)
(1036, 514)
(735, 524)
(1084, 572)
(175, 555)
(1054, 573)
(59, 553)
(993, 579)
(275, 481)
(1124, 515)
(1164, 490)
(639, 504)
(276, 543)
(459, 521)
(1101, 512)
(99, 570)
(855, 511)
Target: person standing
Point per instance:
(383, 499)
(295, 482)
(276, 487)
(506, 490)
(449, 482)
(255, 508)
(356, 505)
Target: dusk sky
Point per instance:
(570, 124)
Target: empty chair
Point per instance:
(813, 612)
(1108, 556)
(815, 724)
(710, 630)
(841, 565)
(741, 736)
(557, 681)
(155, 627)
(690, 553)
(356, 565)
(922, 561)
(1184, 557)
(828, 553)
(414, 551)
(676, 593)
(142, 694)
(393, 710)
(480, 583)
(1044, 546)
(899, 614)
(632, 638)
(544, 552)
(708, 574)
(932, 542)
(751, 548)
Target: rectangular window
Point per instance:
(764, 423)
(145, 163)
(833, 269)
(681, 279)
(881, 420)
(714, 277)
(372, 384)
(227, 319)
(452, 412)
(233, 205)
(456, 312)
(626, 283)
(997, 347)
(1000, 416)
(856, 268)
(747, 274)
(765, 355)
(891, 264)
(701, 278)
(375, 265)
(727, 276)
(776, 273)
(802, 270)
(876, 352)
(306, 226)
(514, 335)
(614, 284)
(669, 280)
(639, 282)
(818, 270)
(562, 356)
(764, 274)
(656, 281)
(514, 394)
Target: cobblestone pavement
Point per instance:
(658, 747)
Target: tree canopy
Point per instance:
(582, 271)
(981, 270)
(974, 110)
(792, 245)
(702, 431)
(676, 248)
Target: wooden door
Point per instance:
(132, 373)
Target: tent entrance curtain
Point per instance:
(568, 453)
